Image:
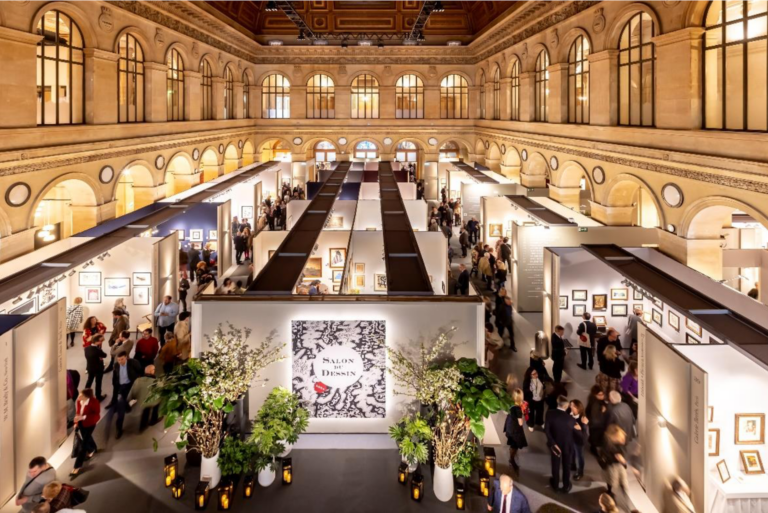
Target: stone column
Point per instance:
(254, 102)
(192, 96)
(678, 79)
(155, 92)
(505, 99)
(432, 102)
(613, 216)
(705, 256)
(533, 181)
(342, 101)
(143, 196)
(217, 94)
(568, 196)
(603, 88)
(557, 101)
(387, 102)
(527, 96)
(18, 81)
(298, 102)
(100, 87)
(239, 105)
(17, 244)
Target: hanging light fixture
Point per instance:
(438, 7)
(271, 7)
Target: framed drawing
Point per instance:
(647, 317)
(89, 279)
(710, 413)
(213, 234)
(117, 287)
(579, 295)
(600, 321)
(337, 275)
(599, 301)
(142, 280)
(713, 442)
(637, 295)
(750, 428)
(563, 302)
(673, 320)
(658, 318)
(337, 287)
(637, 306)
(337, 257)
(690, 339)
(313, 268)
(93, 295)
(752, 462)
(181, 234)
(494, 230)
(619, 294)
(246, 212)
(336, 222)
(619, 310)
(359, 268)
(360, 280)
(380, 282)
(140, 295)
(658, 302)
(26, 308)
(722, 469)
(579, 310)
(196, 235)
(693, 327)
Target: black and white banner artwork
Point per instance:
(339, 368)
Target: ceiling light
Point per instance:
(364, 43)
(72, 272)
(271, 7)
(275, 42)
(438, 7)
(31, 294)
(454, 43)
(320, 42)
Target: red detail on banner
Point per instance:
(321, 387)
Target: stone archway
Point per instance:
(511, 164)
(275, 149)
(535, 172)
(179, 175)
(231, 159)
(209, 164)
(248, 153)
(627, 200)
(572, 186)
(493, 157)
(68, 207)
(134, 189)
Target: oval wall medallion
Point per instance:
(672, 195)
(524, 154)
(159, 162)
(221, 148)
(387, 141)
(671, 228)
(432, 141)
(240, 144)
(487, 144)
(195, 154)
(106, 174)
(598, 175)
(18, 194)
(297, 140)
(553, 163)
(342, 140)
(503, 149)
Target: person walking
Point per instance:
(558, 353)
(607, 504)
(87, 416)
(613, 459)
(677, 497)
(94, 365)
(193, 256)
(464, 241)
(501, 274)
(620, 414)
(463, 280)
(580, 438)
(609, 377)
(630, 331)
(184, 287)
(597, 414)
(74, 320)
(39, 474)
(560, 429)
(138, 396)
(127, 370)
(166, 313)
(147, 348)
(239, 247)
(91, 328)
(120, 324)
(506, 498)
(513, 429)
(533, 392)
(587, 331)
(504, 321)
(505, 252)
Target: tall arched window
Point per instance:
(207, 89)
(229, 94)
(175, 86)
(541, 85)
(246, 96)
(515, 91)
(276, 97)
(482, 95)
(60, 73)
(365, 97)
(454, 98)
(449, 150)
(366, 150)
(321, 97)
(409, 97)
(406, 151)
(325, 152)
(497, 93)
(735, 71)
(636, 71)
(130, 81)
(578, 81)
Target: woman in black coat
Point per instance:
(580, 438)
(597, 414)
(193, 258)
(513, 428)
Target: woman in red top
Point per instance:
(88, 415)
(92, 327)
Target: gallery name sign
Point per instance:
(338, 366)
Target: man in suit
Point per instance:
(559, 427)
(506, 498)
(94, 364)
(463, 281)
(123, 343)
(119, 325)
(127, 370)
(588, 329)
(558, 353)
(505, 252)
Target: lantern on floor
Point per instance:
(171, 469)
(248, 484)
(201, 495)
(460, 499)
(287, 471)
(485, 483)
(490, 460)
(417, 487)
(402, 473)
(177, 488)
(225, 495)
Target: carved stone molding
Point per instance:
(598, 22)
(160, 38)
(106, 23)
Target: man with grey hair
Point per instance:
(506, 498)
(620, 413)
(630, 332)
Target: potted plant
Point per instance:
(236, 457)
(412, 435)
(449, 439)
(465, 461)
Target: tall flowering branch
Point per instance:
(450, 435)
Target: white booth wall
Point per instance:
(407, 190)
(368, 215)
(263, 243)
(472, 193)
(417, 211)
(295, 210)
(346, 209)
(369, 191)
(433, 247)
(366, 247)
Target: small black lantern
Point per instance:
(226, 488)
(485, 483)
(402, 473)
(202, 492)
(170, 468)
(490, 460)
(248, 485)
(287, 471)
(177, 488)
(417, 487)
(461, 501)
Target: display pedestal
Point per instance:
(748, 495)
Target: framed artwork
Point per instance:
(750, 428)
(658, 318)
(93, 295)
(337, 287)
(47, 296)
(690, 339)
(637, 295)
(647, 317)
(710, 413)
(673, 320)
(26, 308)
(722, 469)
(658, 302)
(713, 442)
(336, 222)
(380, 282)
(181, 234)
(337, 276)
(619, 310)
(140, 295)
(563, 302)
(313, 268)
(600, 321)
(637, 306)
(142, 280)
(619, 294)
(495, 230)
(508, 234)
(599, 301)
(270, 253)
(246, 212)
(196, 235)
(752, 462)
(360, 280)
(117, 287)
(337, 257)
(579, 295)
(693, 326)
(89, 279)
(213, 234)
(359, 268)
(579, 310)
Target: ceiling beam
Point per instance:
(421, 20)
(290, 12)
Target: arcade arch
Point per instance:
(134, 189)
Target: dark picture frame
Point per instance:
(600, 302)
(657, 317)
(579, 295)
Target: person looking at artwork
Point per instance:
(94, 365)
(74, 320)
(166, 313)
(463, 280)
(609, 377)
(611, 338)
(597, 414)
(614, 463)
(193, 258)
(630, 389)
(91, 328)
(120, 305)
(314, 288)
(183, 289)
(587, 331)
(235, 226)
(183, 336)
(147, 348)
(560, 428)
(558, 353)
(630, 332)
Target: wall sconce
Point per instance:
(460, 501)
(72, 272)
(40, 383)
(225, 495)
(490, 461)
(170, 469)
(485, 483)
(417, 487)
(31, 294)
(662, 422)
(18, 300)
(248, 484)
(402, 473)
(177, 488)
(287, 471)
(201, 495)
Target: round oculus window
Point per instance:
(524, 154)
(672, 195)
(159, 162)
(297, 140)
(432, 141)
(106, 174)
(18, 194)
(598, 175)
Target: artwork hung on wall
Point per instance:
(380, 282)
(579, 310)
(690, 339)
(563, 302)
(26, 308)
(658, 318)
(647, 317)
(658, 302)
(637, 295)
(47, 296)
(637, 306)
(337, 257)
(495, 230)
(508, 234)
(336, 287)
(213, 234)
(337, 276)
(339, 368)
(619, 294)
(313, 268)
(599, 301)
(713, 442)
(752, 462)
(336, 222)
(142, 279)
(579, 295)
(619, 310)
(673, 320)
(197, 245)
(722, 469)
(196, 235)
(117, 287)
(750, 428)
(246, 212)
(89, 279)
(600, 321)
(360, 280)
(140, 295)
(710, 413)
(693, 326)
(181, 234)
(93, 295)
(359, 268)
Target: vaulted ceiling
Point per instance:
(460, 21)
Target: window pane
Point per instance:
(757, 86)
(734, 87)
(714, 88)
(734, 10)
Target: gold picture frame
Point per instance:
(599, 302)
(359, 268)
(749, 429)
(722, 469)
(620, 294)
(360, 280)
(495, 229)
(694, 327)
(336, 222)
(337, 257)
(710, 413)
(752, 462)
(313, 268)
(713, 442)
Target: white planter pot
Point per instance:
(287, 451)
(443, 483)
(266, 476)
(209, 469)
(411, 466)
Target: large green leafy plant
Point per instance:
(412, 435)
(465, 460)
(237, 457)
(280, 421)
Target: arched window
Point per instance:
(175, 86)
(246, 96)
(578, 81)
(60, 73)
(325, 152)
(207, 89)
(541, 85)
(482, 94)
(515, 91)
(409, 97)
(454, 98)
(735, 71)
(366, 150)
(130, 81)
(636, 71)
(229, 94)
(497, 93)
(321, 97)
(406, 151)
(449, 150)
(365, 97)
(276, 97)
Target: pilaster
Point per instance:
(254, 102)
(505, 99)
(217, 93)
(155, 92)
(18, 81)
(192, 95)
(612, 216)
(679, 92)
(568, 196)
(342, 101)
(603, 88)
(239, 103)
(100, 77)
(533, 181)
(705, 256)
(557, 101)
(527, 100)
